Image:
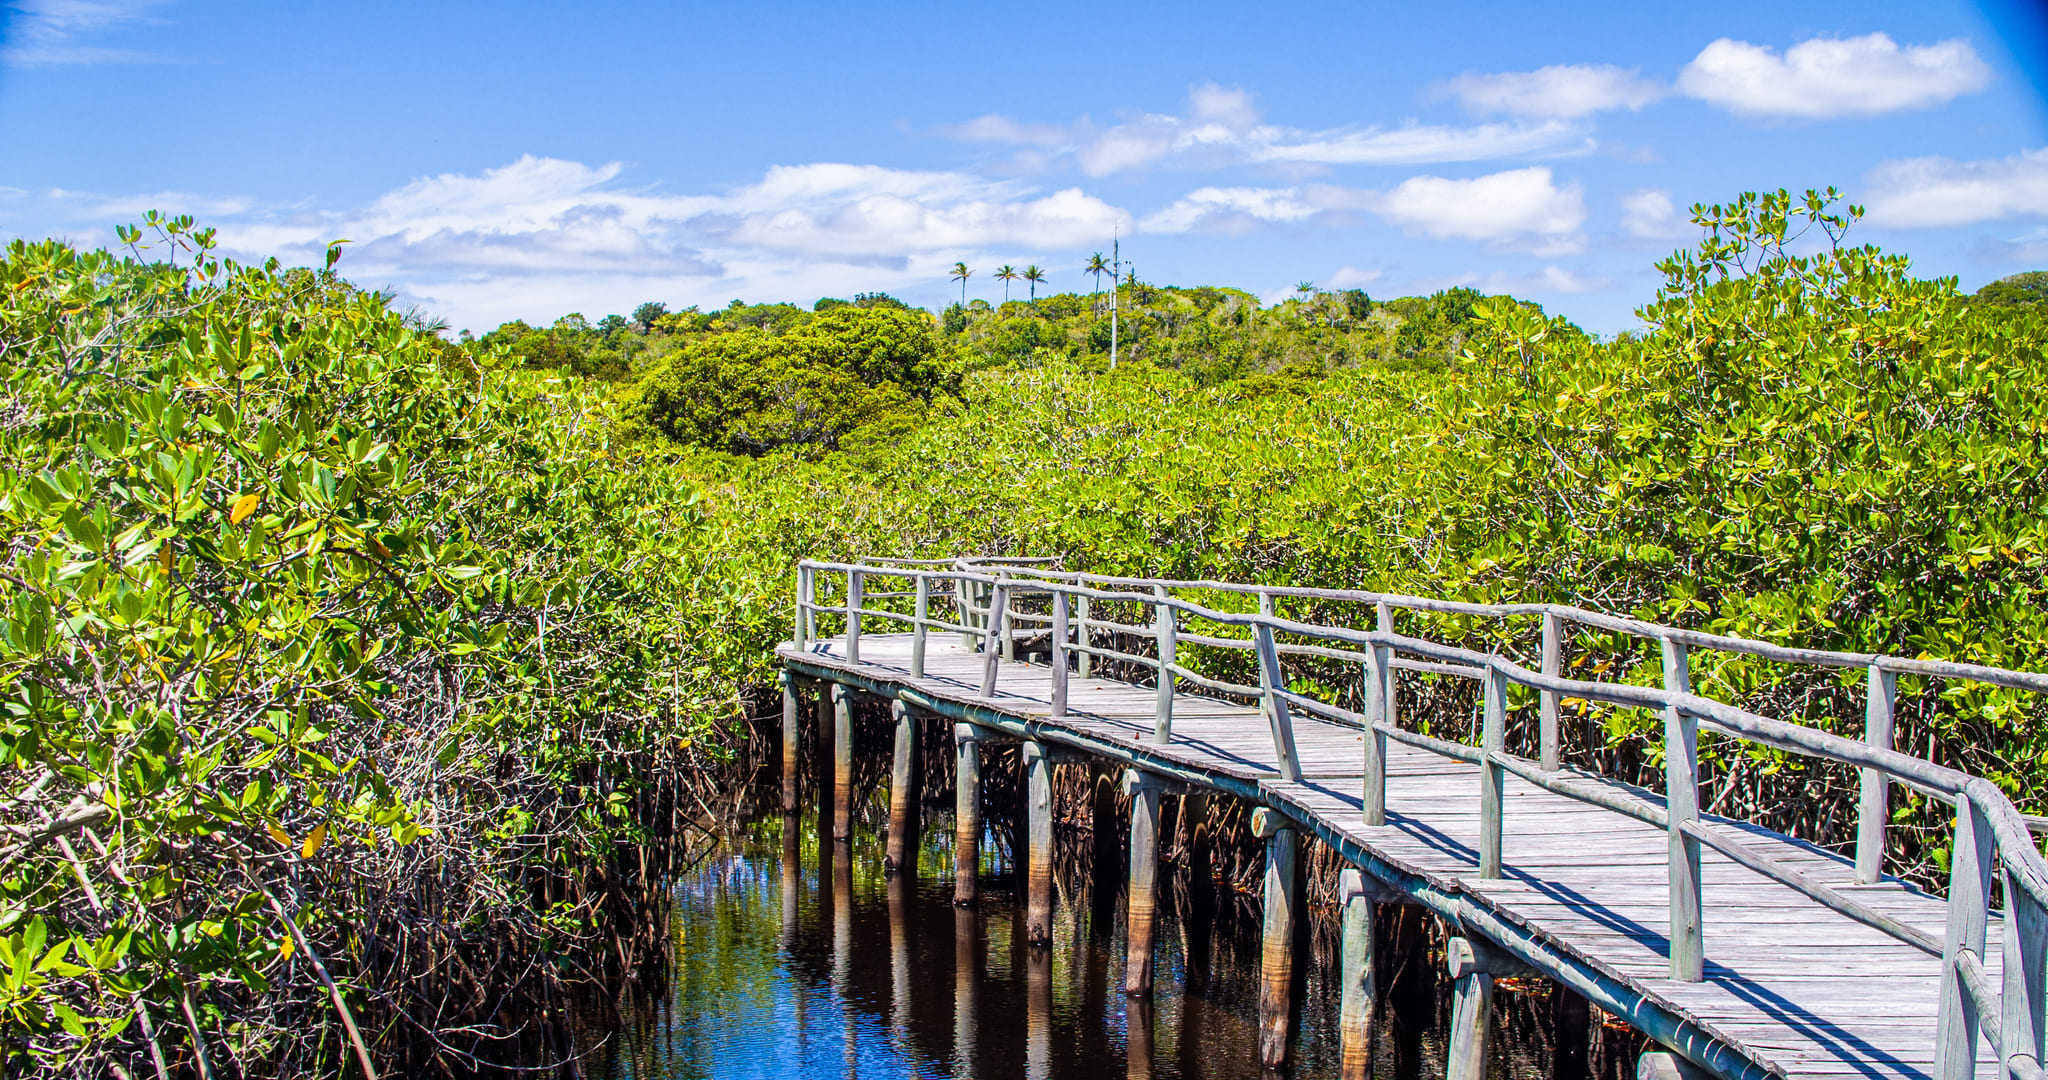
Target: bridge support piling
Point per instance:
(1283, 903)
(1199, 922)
(1038, 883)
(842, 763)
(901, 853)
(792, 741)
(1471, 1014)
(1356, 990)
(966, 814)
(1141, 921)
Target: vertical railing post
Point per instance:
(1874, 808)
(1547, 754)
(1084, 660)
(853, 600)
(1388, 703)
(964, 594)
(1271, 681)
(1001, 619)
(998, 617)
(1373, 801)
(1682, 806)
(1059, 654)
(2024, 1030)
(803, 606)
(921, 625)
(1969, 903)
(1164, 630)
(1493, 741)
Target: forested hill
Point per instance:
(324, 636)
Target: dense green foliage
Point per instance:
(303, 602)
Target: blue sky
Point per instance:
(492, 161)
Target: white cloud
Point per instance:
(1351, 277)
(541, 236)
(1549, 281)
(1222, 127)
(50, 32)
(1563, 91)
(1932, 192)
(1522, 209)
(1650, 214)
(1514, 207)
(1829, 77)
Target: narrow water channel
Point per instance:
(793, 958)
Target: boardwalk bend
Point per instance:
(1744, 953)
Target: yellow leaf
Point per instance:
(278, 835)
(314, 841)
(284, 948)
(244, 506)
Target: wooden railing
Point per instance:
(1990, 835)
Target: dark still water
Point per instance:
(795, 959)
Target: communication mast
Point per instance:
(1115, 272)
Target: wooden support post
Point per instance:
(853, 602)
(1283, 913)
(1378, 686)
(1547, 752)
(2023, 1032)
(1969, 901)
(1664, 1065)
(1038, 855)
(966, 814)
(1873, 810)
(842, 763)
(822, 764)
(1141, 920)
(1385, 612)
(1003, 624)
(1084, 659)
(901, 854)
(1356, 991)
(1059, 655)
(1471, 1023)
(921, 626)
(792, 742)
(1165, 630)
(1194, 813)
(1682, 802)
(1492, 778)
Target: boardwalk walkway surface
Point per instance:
(1790, 986)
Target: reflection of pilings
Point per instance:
(899, 955)
(1276, 954)
(1356, 991)
(1142, 919)
(792, 878)
(842, 914)
(966, 978)
(1038, 1013)
(967, 814)
(1138, 1039)
(1038, 849)
(1198, 922)
(792, 739)
(842, 762)
(902, 849)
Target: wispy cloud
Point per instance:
(1933, 192)
(1222, 127)
(1649, 214)
(52, 32)
(1560, 91)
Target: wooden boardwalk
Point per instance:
(1791, 988)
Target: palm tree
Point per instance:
(1305, 288)
(960, 274)
(1034, 275)
(1006, 274)
(1097, 266)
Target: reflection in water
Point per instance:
(796, 959)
